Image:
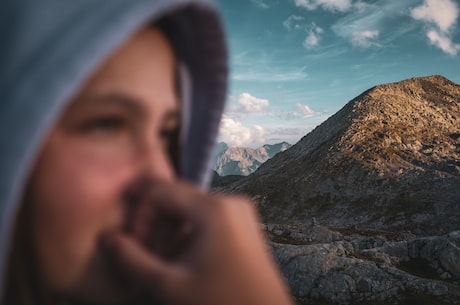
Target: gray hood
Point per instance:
(49, 47)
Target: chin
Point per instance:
(101, 284)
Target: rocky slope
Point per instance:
(364, 266)
(390, 159)
(220, 182)
(242, 160)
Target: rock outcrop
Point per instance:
(363, 266)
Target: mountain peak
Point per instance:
(394, 149)
(400, 125)
(244, 160)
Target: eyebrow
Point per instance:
(129, 103)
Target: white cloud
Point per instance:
(333, 5)
(330, 5)
(260, 4)
(272, 74)
(311, 41)
(441, 16)
(364, 39)
(361, 27)
(293, 22)
(301, 112)
(361, 6)
(250, 104)
(259, 66)
(234, 133)
(304, 109)
(378, 16)
(443, 13)
(265, 4)
(313, 37)
(288, 134)
(443, 42)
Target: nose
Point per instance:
(156, 162)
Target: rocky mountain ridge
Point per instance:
(394, 150)
(244, 160)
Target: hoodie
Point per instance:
(48, 49)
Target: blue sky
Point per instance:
(294, 63)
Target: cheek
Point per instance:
(76, 197)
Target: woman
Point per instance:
(109, 114)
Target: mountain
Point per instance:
(389, 159)
(220, 182)
(244, 161)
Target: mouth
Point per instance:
(102, 283)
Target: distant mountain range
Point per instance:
(243, 160)
(388, 159)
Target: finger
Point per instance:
(171, 213)
(143, 267)
(164, 229)
(179, 198)
(143, 219)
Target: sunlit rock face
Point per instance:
(388, 159)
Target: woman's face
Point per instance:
(118, 128)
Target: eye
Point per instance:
(104, 123)
(170, 138)
(168, 133)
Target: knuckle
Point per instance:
(241, 204)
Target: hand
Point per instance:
(188, 247)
